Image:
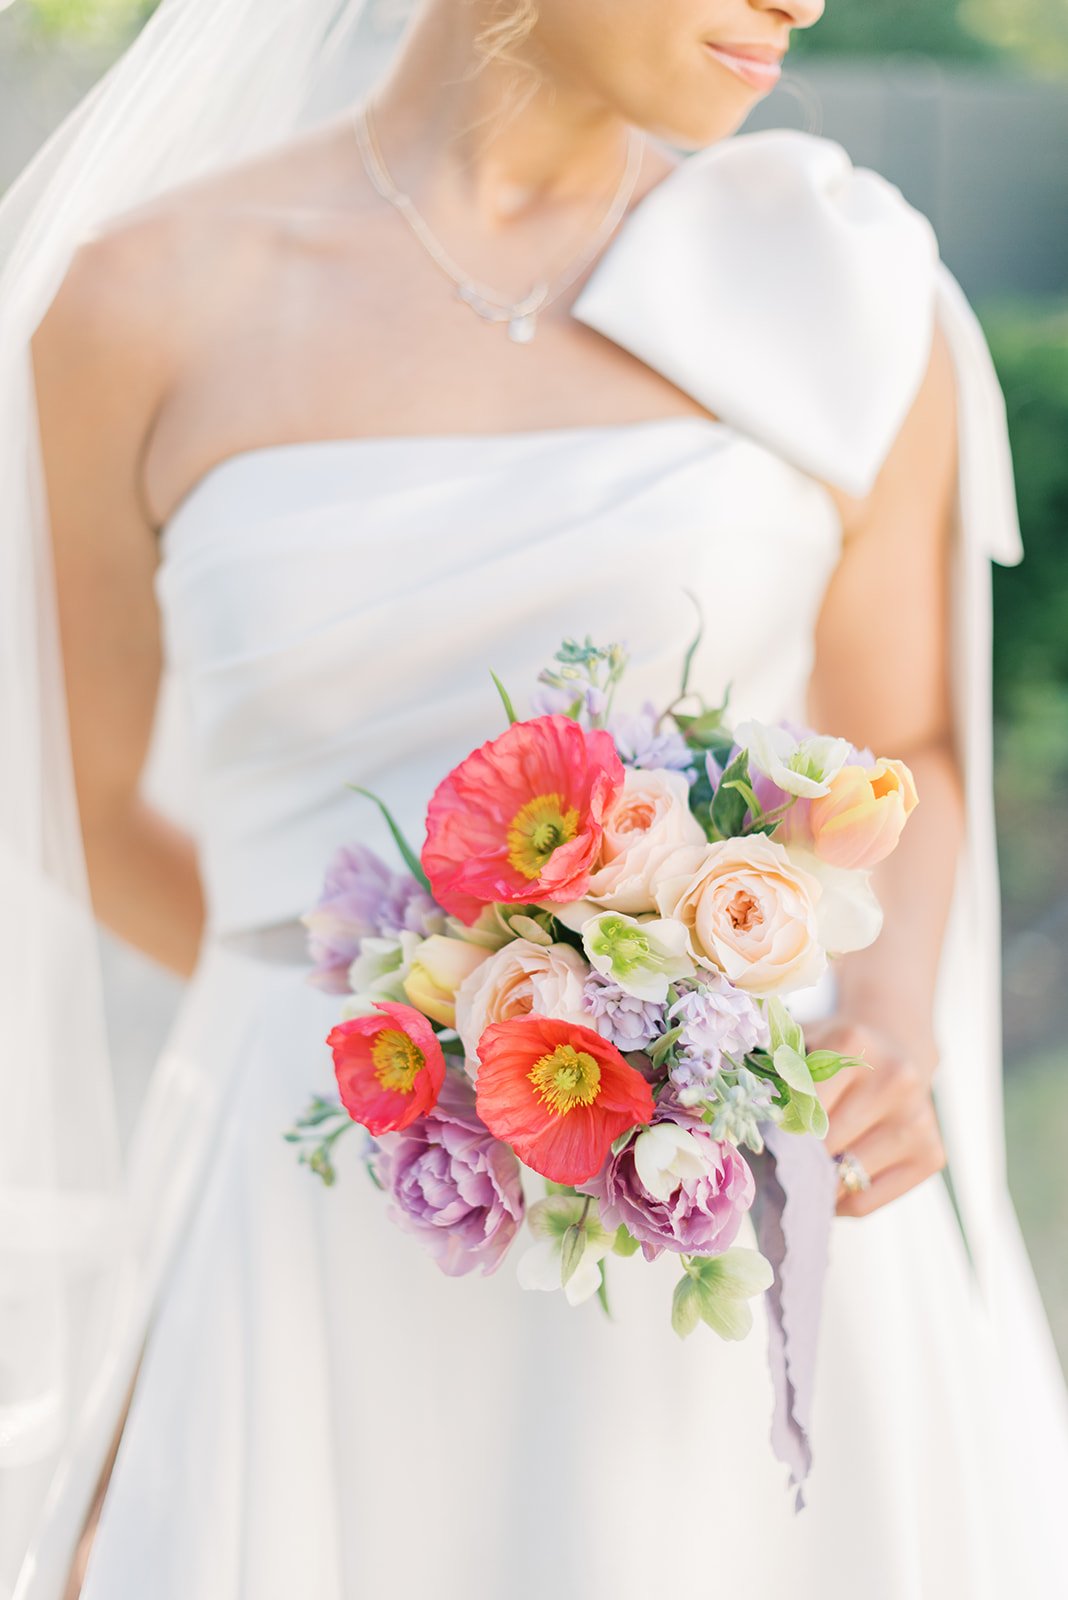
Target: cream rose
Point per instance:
(750, 912)
(520, 978)
(649, 820)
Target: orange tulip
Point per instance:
(859, 820)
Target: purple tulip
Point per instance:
(696, 1189)
(362, 897)
(452, 1183)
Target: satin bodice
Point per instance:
(333, 610)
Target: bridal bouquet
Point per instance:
(584, 977)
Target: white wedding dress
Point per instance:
(319, 1412)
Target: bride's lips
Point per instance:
(755, 64)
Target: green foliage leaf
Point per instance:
(659, 1050)
(740, 1271)
(818, 1121)
(783, 1027)
(793, 1120)
(602, 1290)
(572, 1249)
(687, 660)
(686, 1306)
(730, 804)
(509, 709)
(725, 1314)
(805, 1113)
(793, 1069)
(411, 860)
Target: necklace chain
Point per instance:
(520, 315)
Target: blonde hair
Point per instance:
(501, 40)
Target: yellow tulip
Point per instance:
(859, 820)
(441, 964)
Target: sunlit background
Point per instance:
(965, 106)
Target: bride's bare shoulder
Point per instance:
(161, 268)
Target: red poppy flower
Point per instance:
(520, 819)
(558, 1093)
(389, 1068)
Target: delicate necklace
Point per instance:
(520, 315)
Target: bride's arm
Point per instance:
(881, 678)
(101, 361)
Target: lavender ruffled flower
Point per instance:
(452, 1183)
(716, 1020)
(641, 744)
(623, 1019)
(675, 1187)
(363, 897)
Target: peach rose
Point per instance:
(650, 818)
(516, 980)
(859, 820)
(750, 912)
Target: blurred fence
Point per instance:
(983, 154)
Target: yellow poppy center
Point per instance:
(566, 1078)
(537, 829)
(397, 1060)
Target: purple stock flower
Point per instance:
(551, 698)
(716, 1020)
(362, 897)
(641, 744)
(452, 1183)
(623, 1019)
(675, 1187)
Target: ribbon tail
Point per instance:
(796, 1185)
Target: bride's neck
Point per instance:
(506, 136)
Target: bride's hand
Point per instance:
(884, 1114)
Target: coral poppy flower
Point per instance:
(521, 818)
(389, 1068)
(557, 1093)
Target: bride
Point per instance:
(329, 417)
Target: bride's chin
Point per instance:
(691, 122)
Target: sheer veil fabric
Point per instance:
(208, 82)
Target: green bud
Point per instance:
(624, 1243)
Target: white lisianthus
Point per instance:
(800, 766)
(541, 1267)
(643, 955)
(379, 971)
(848, 913)
(666, 1155)
(649, 818)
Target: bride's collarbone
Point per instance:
(309, 348)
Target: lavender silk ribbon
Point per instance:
(796, 1186)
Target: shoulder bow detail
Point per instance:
(795, 295)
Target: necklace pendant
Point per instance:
(522, 327)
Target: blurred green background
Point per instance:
(965, 105)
